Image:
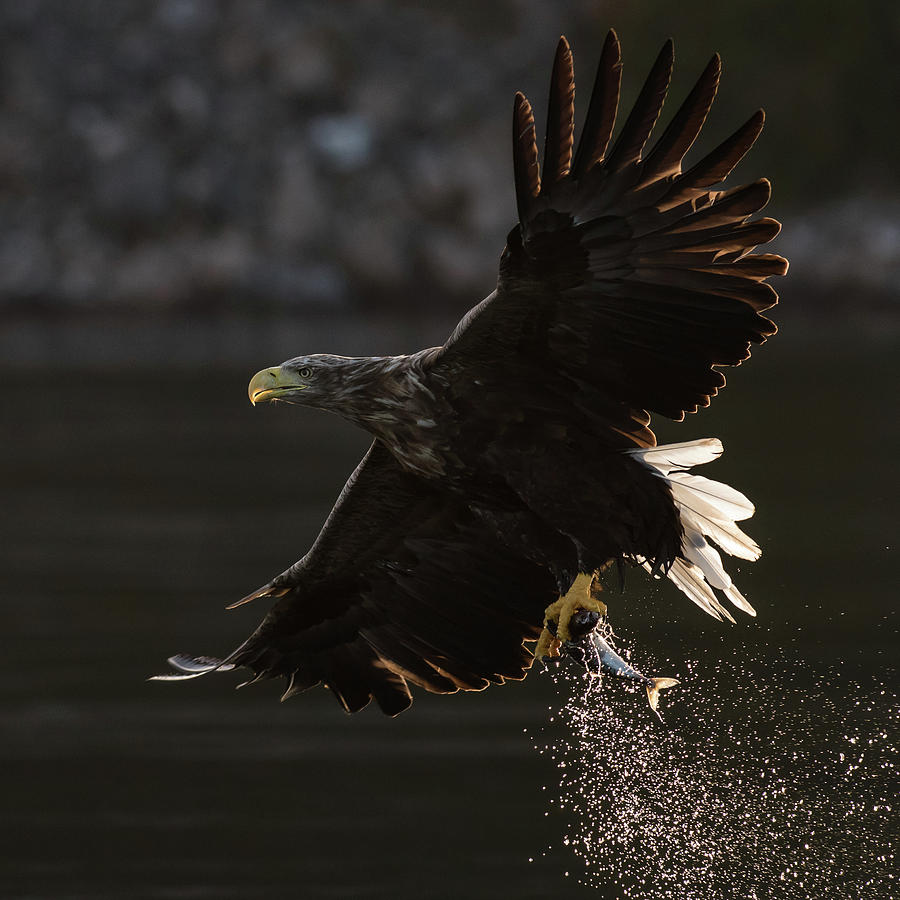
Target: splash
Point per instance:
(774, 782)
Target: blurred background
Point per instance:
(191, 190)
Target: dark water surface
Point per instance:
(137, 505)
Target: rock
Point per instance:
(301, 63)
(173, 151)
(186, 16)
(26, 264)
(276, 283)
(342, 142)
(134, 190)
(296, 206)
(188, 101)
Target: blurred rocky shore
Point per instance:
(265, 156)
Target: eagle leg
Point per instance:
(582, 595)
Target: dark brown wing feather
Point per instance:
(601, 115)
(403, 585)
(636, 130)
(665, 157)
(560, 117)
(525, 156)
(627, 280)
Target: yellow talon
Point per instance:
(581, 595)
(547, 645)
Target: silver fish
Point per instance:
(596, 654)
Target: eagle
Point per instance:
(514, 466)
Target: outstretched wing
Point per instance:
(403, 585)
(626, 277)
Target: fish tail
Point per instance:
(655, 686)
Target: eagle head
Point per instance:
(344, 384)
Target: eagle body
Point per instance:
(516, 460)
(510, 465)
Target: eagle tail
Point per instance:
(707, 510)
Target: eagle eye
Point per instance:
(305, 372)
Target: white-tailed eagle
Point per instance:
(516, 461)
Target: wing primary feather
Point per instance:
(601, 114)
(717, 165)
(643, 116)
(666, 156)
(298, 681)
(198, 664)
(187, 667)
(407, 662)
(349, 674)
(720, 239)
(757, 266)
(268, 591)
(560, 118)
(392, 694)
(525, 160)
(257, 676)
(729, 207)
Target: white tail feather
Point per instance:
(726, 534)
(666, 457)
(707, 509)
(738, 599)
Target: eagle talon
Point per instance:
(547, 646)
(581, 596)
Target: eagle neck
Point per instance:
(391, 398)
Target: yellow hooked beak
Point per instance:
(270, 384)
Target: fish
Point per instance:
(593, 652)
